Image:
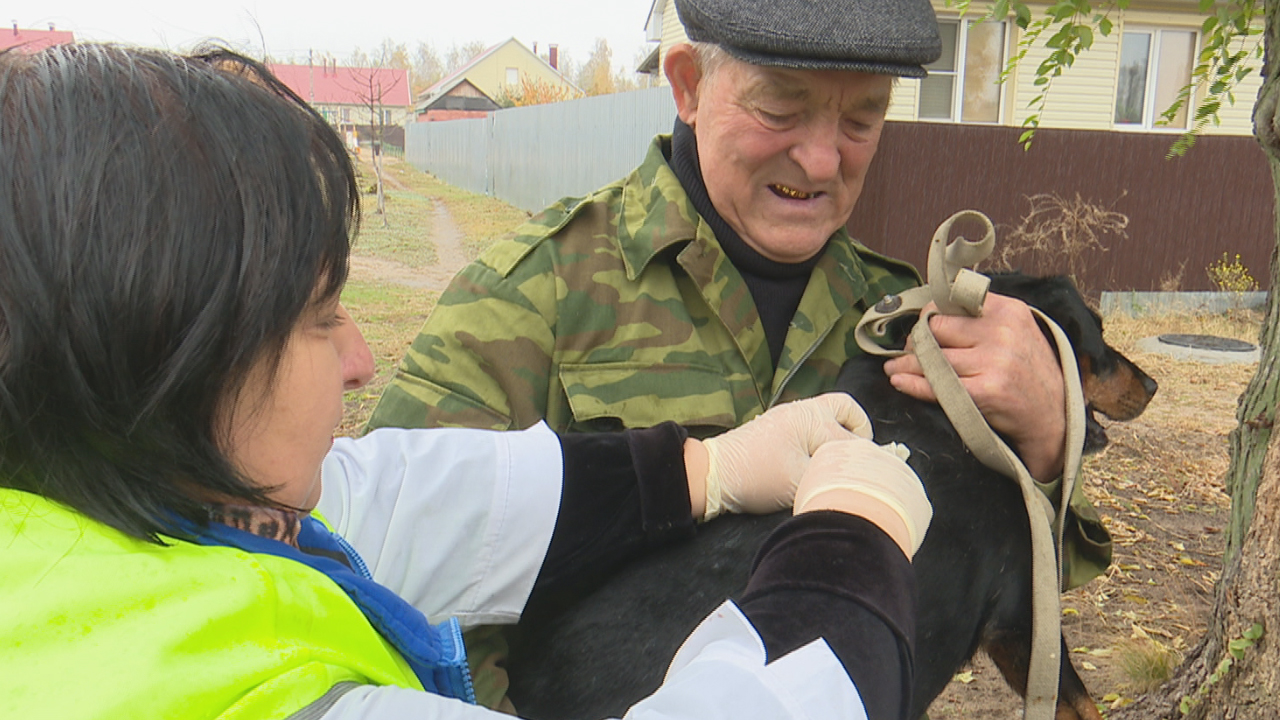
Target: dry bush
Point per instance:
(1057, 236)
(1171, 281)
(534, 91)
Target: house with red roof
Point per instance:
(29, 41)
(363, 103)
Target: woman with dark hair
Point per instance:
(174, 237)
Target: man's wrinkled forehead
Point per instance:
(766, 84)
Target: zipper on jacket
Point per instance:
(796, 367)
(357, 562)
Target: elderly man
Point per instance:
(717, 279)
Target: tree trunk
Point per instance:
(1230, 674)
(375, 150)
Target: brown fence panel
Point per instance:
(1184, 213)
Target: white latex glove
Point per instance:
(755, 468)
(871, 481)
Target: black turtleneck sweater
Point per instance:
(775, 287)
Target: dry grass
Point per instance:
(1148, 664)
(481, 219)
(390, 314)
(407, 237)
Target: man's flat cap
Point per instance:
(886, 37)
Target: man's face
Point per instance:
(784, 152)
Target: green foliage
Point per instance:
(1235, 651)
(1230, 35)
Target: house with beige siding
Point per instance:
(1123, 82)
(480, 86)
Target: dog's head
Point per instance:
(1113, 385)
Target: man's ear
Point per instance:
(681, 68)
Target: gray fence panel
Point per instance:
(543, 153)
(533, 156)
(456, 151)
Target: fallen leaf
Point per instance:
(1088, 665)
(965, 677)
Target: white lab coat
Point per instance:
(458, 522)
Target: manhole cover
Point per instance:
(1208, 342)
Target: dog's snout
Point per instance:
(1149, 384)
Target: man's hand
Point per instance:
(1007, 365)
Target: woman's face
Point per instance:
(281, 428)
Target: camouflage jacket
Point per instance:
(621, 310)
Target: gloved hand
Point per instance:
(871, 481)
(754, 468)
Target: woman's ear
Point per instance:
(681, 68)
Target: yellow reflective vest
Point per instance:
(97, 624)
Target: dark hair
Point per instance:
(164, 223)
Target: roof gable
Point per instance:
(329, 85)
(446, 84)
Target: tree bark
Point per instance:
(1249, 591)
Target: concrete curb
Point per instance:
(1136, 303)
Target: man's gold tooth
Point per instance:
(793, 193)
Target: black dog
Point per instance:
(607, 651)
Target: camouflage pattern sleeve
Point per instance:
(483, 357)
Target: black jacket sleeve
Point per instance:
(841, 578)
(623, 492)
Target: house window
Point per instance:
(388, 117)
(346, 115)
(963, 84)
(1154, 67)
(513, 76)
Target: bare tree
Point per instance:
(428, 68)
(461, 55)
(373, 86)
(595, 76)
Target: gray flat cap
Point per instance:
(886, 37)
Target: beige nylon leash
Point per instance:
(958, 291)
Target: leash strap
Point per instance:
(953, 288)
(957, 291)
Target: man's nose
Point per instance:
(357, 358)
(818, 152)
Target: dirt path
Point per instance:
(450, 256)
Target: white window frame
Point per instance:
(1150, 112)
(962, 26)
(513, 77)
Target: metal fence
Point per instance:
(533, 156)
(1183, 213)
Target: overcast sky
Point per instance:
(292, 28)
